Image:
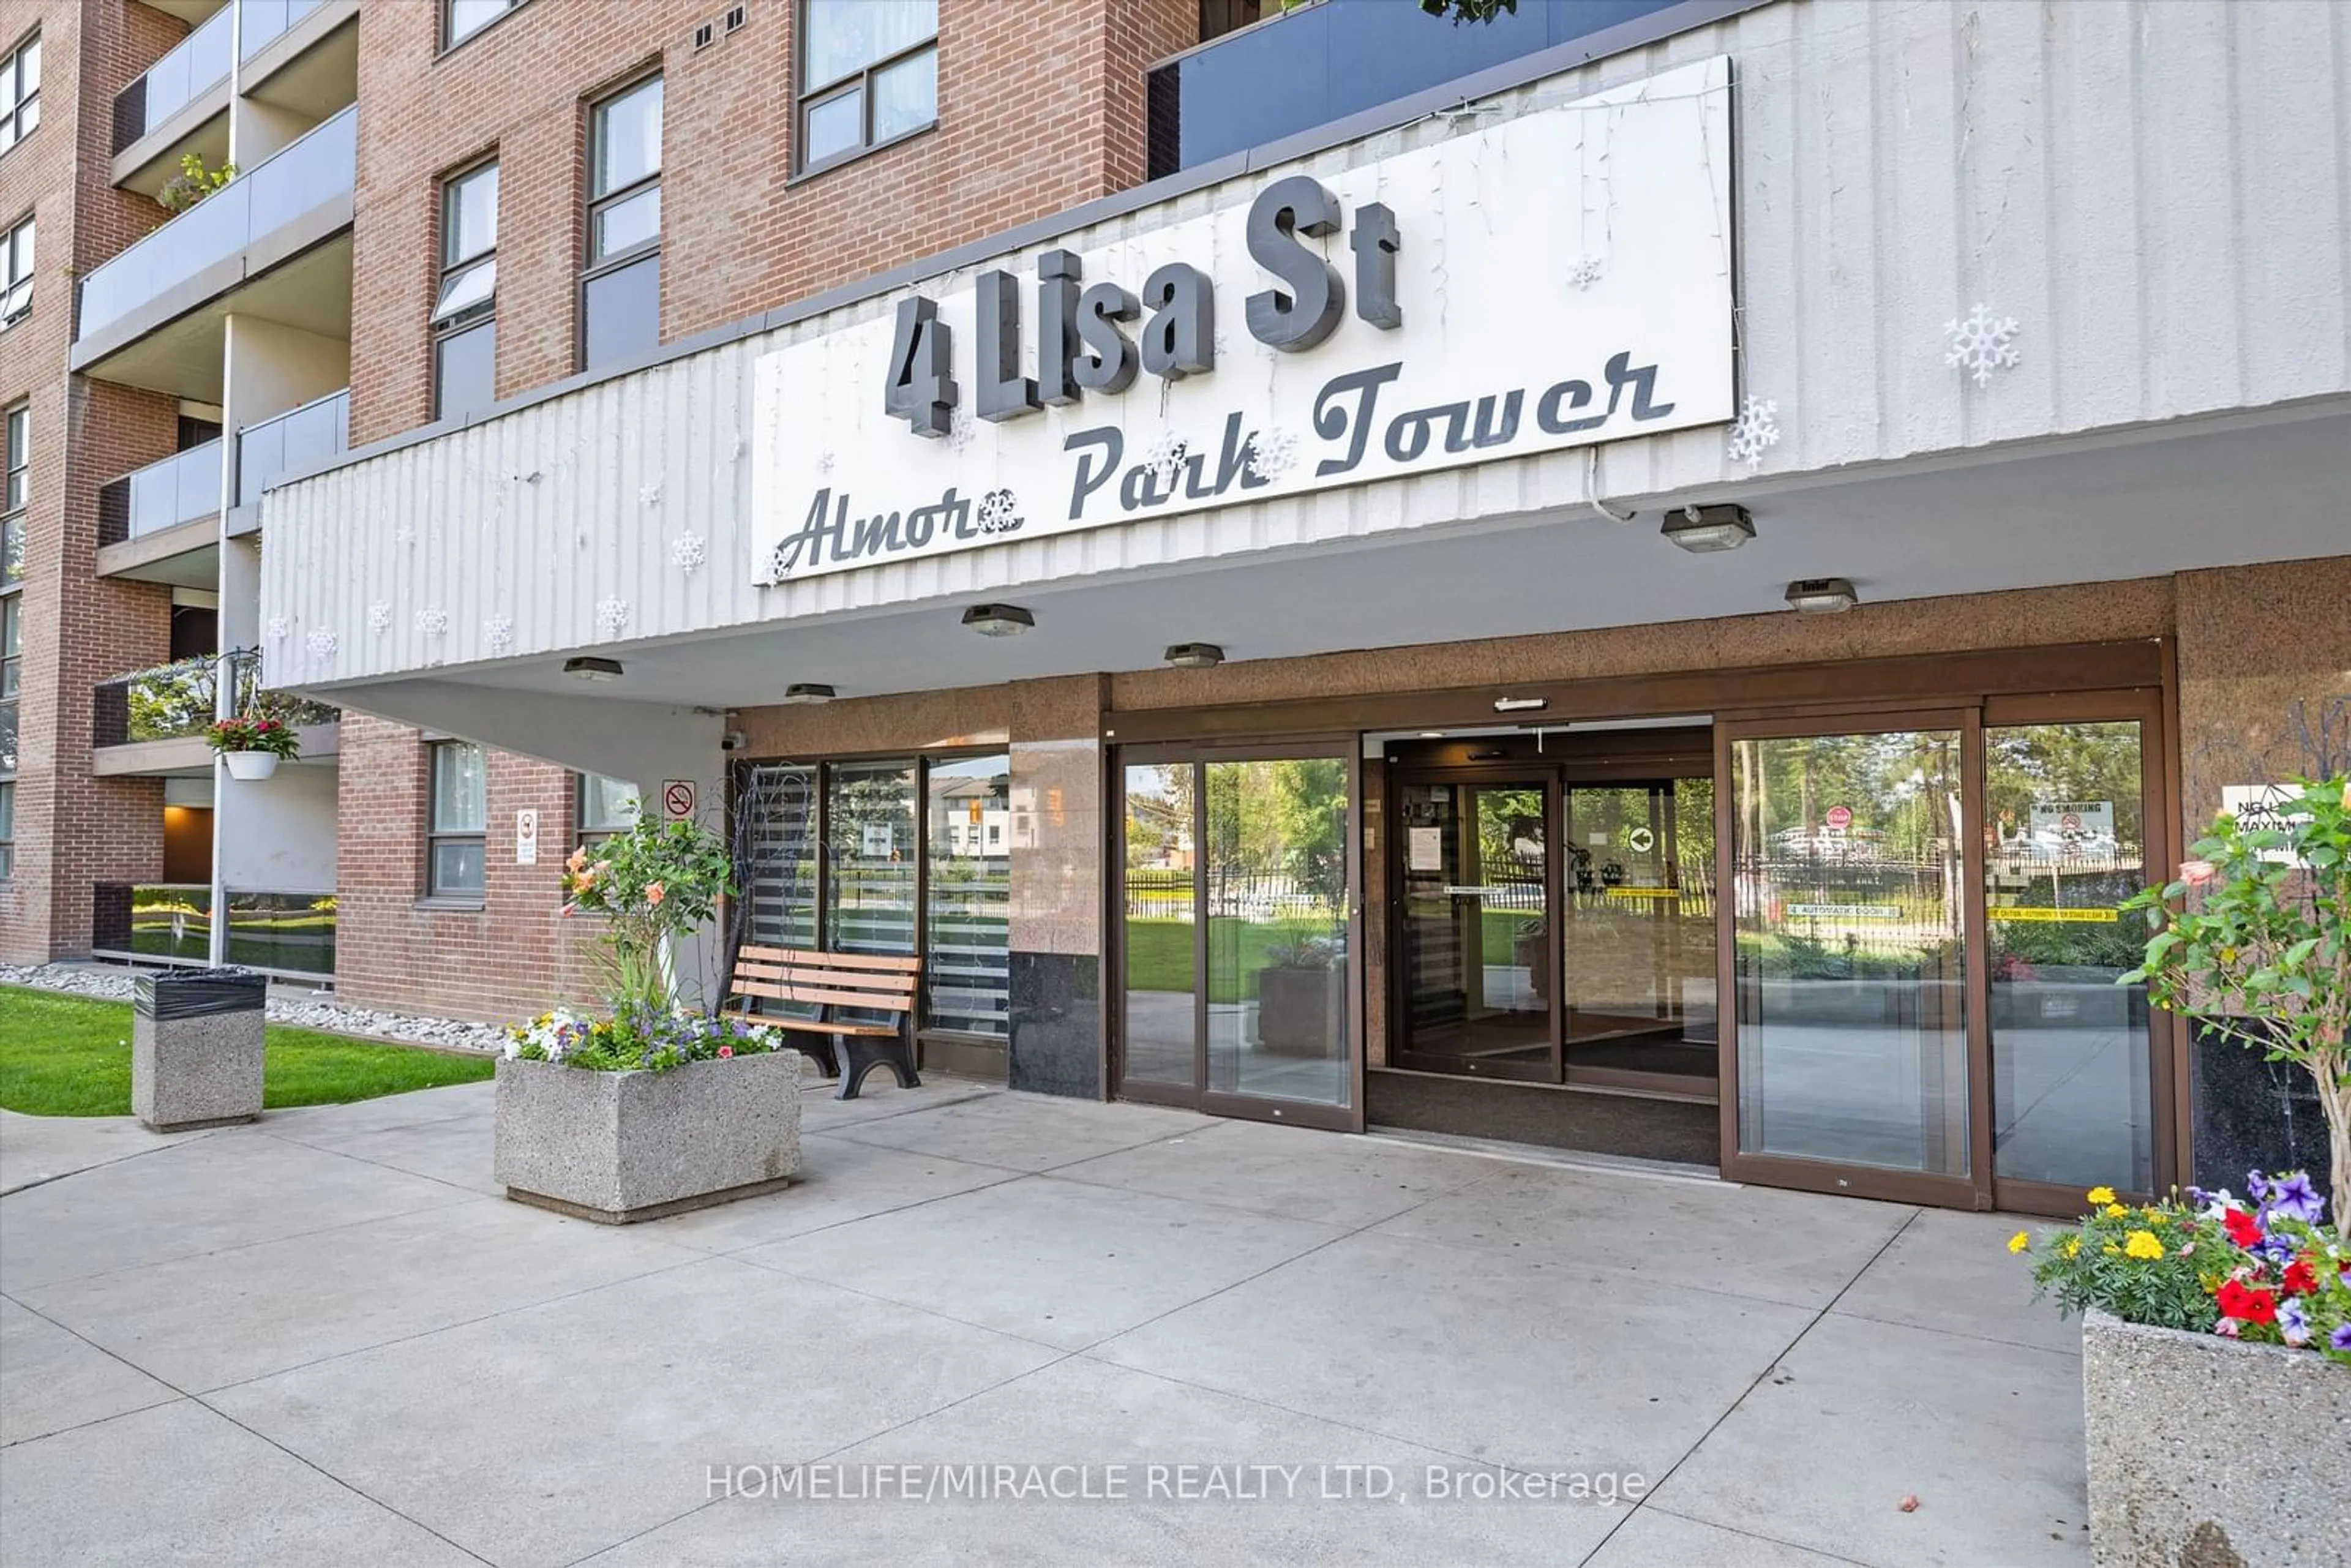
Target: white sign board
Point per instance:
(2265, 807)
(1425, 849)
(1554, 280)
(874, 840)
(527, 836)
(2062, 828)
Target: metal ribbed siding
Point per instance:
(2156, 191)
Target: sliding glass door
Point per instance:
(1235, 920)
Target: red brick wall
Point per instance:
(71, 830)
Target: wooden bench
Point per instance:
(860, 983)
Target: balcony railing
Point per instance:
(269, 19)
(176, 701)
(297, 179)
(171, 922)
(1323, 62)
(294, 441)
(193, 67)
(182, 488)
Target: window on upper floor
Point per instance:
(457, 830)
(620, 286)
(465, 307)
(869, 73)
(17, 273)
(19, 422)
(461, 19)
(607, 806)
(20, 92)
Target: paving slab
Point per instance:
(1025, 1131)
(541, 1436)
(1653, 1538)
(1063, 1263)
(37, 1149)
(51, 1379)
(179, 1484)
(1755, 1242)
(1954, 1271)
(226, 1316)
(325, 1126)
(1538, 1362)
(1859, 1415)
(1292, 1173)
(232, 1189)
(1172, 1447)
(839, 1181)
(881, 1099)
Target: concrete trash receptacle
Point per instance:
(196, 1048)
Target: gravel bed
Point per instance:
(334, 1018)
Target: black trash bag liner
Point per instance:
(200, 993)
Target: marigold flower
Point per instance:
(2114, 1211)
(2101, 1195)
(2073, 1246)
(2142, 1244)
(2019, 1242)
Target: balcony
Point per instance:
(170, 923)
(152, 723)
(267, 21)
(1323, 62)
(293, 442)
(160, 524)
(158, 116)
(265, 219)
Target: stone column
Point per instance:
(1057, 1045)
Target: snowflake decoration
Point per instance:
(277, 630)
(404, 535)
(960, 430)
(612, 614)
(1586, 271)
(1271, 452)
(498, 632)
(1000, 512)
(824, 461)
(433, 622)
(1756, 428)
(380, 616)
(687, 552)
(1980, 344)
(321, 643)
(650, 496)
(1166, 458)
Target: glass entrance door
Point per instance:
(1235, 935)
(1850, 947)
(1636, 918)
(1478, 971)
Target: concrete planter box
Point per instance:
(622, 1146)
(1297, 1010)
(2202, 1450)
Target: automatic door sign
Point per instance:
(1642, 839)
(677, 799)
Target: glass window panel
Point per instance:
(969, 891)
(1478, 942)
(871, 850)
(627, 139)
(469, 216)
(20, 250)
(457, 788)
(1850, 949)
(625, 224)
(12, 550)
(1638, 923)
(472, 289)
(1277, 913)
(464, 372)
(833, 127)
(1158, 925)
(906, 96)
(458, 865)
(7, 738)
(779, 848)
(467, 18)
(623, 313)
(606, 805)
(843, 35)
(7, 810)
(2064, 836)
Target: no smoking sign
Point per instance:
(677, 799)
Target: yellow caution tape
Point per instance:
(2087, 916)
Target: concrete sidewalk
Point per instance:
(326, 1338)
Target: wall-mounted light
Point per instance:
(1822, 596)
(1703, 530)
(1193, 655)
(588, 667)
(807, 692)
(999, 619)
(1520, 705)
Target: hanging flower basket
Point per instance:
(251, 765)
(253, 746)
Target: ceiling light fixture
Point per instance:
(807, 692)
(1822, 596)
(1193, 655)
(1703, 530)
(999, 619)
(590, 668)
(1520, 705)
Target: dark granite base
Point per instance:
(1546, 1115)
(2248, 1113)
(1057, 1024)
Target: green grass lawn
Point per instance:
(70, 1056)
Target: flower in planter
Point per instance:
(725, 1051)
(264, 734)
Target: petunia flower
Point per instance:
(2242, 1227)
(2294, 1197)
(725, 1051)
(2341, 1338)
(2226, 1328)
(2293, 1323)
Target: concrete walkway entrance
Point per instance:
(325, 1338)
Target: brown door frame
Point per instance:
(1197, 1095)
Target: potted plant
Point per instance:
(2215, 1331)
(1298, 997)
(253, 746)
(647, 1107)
